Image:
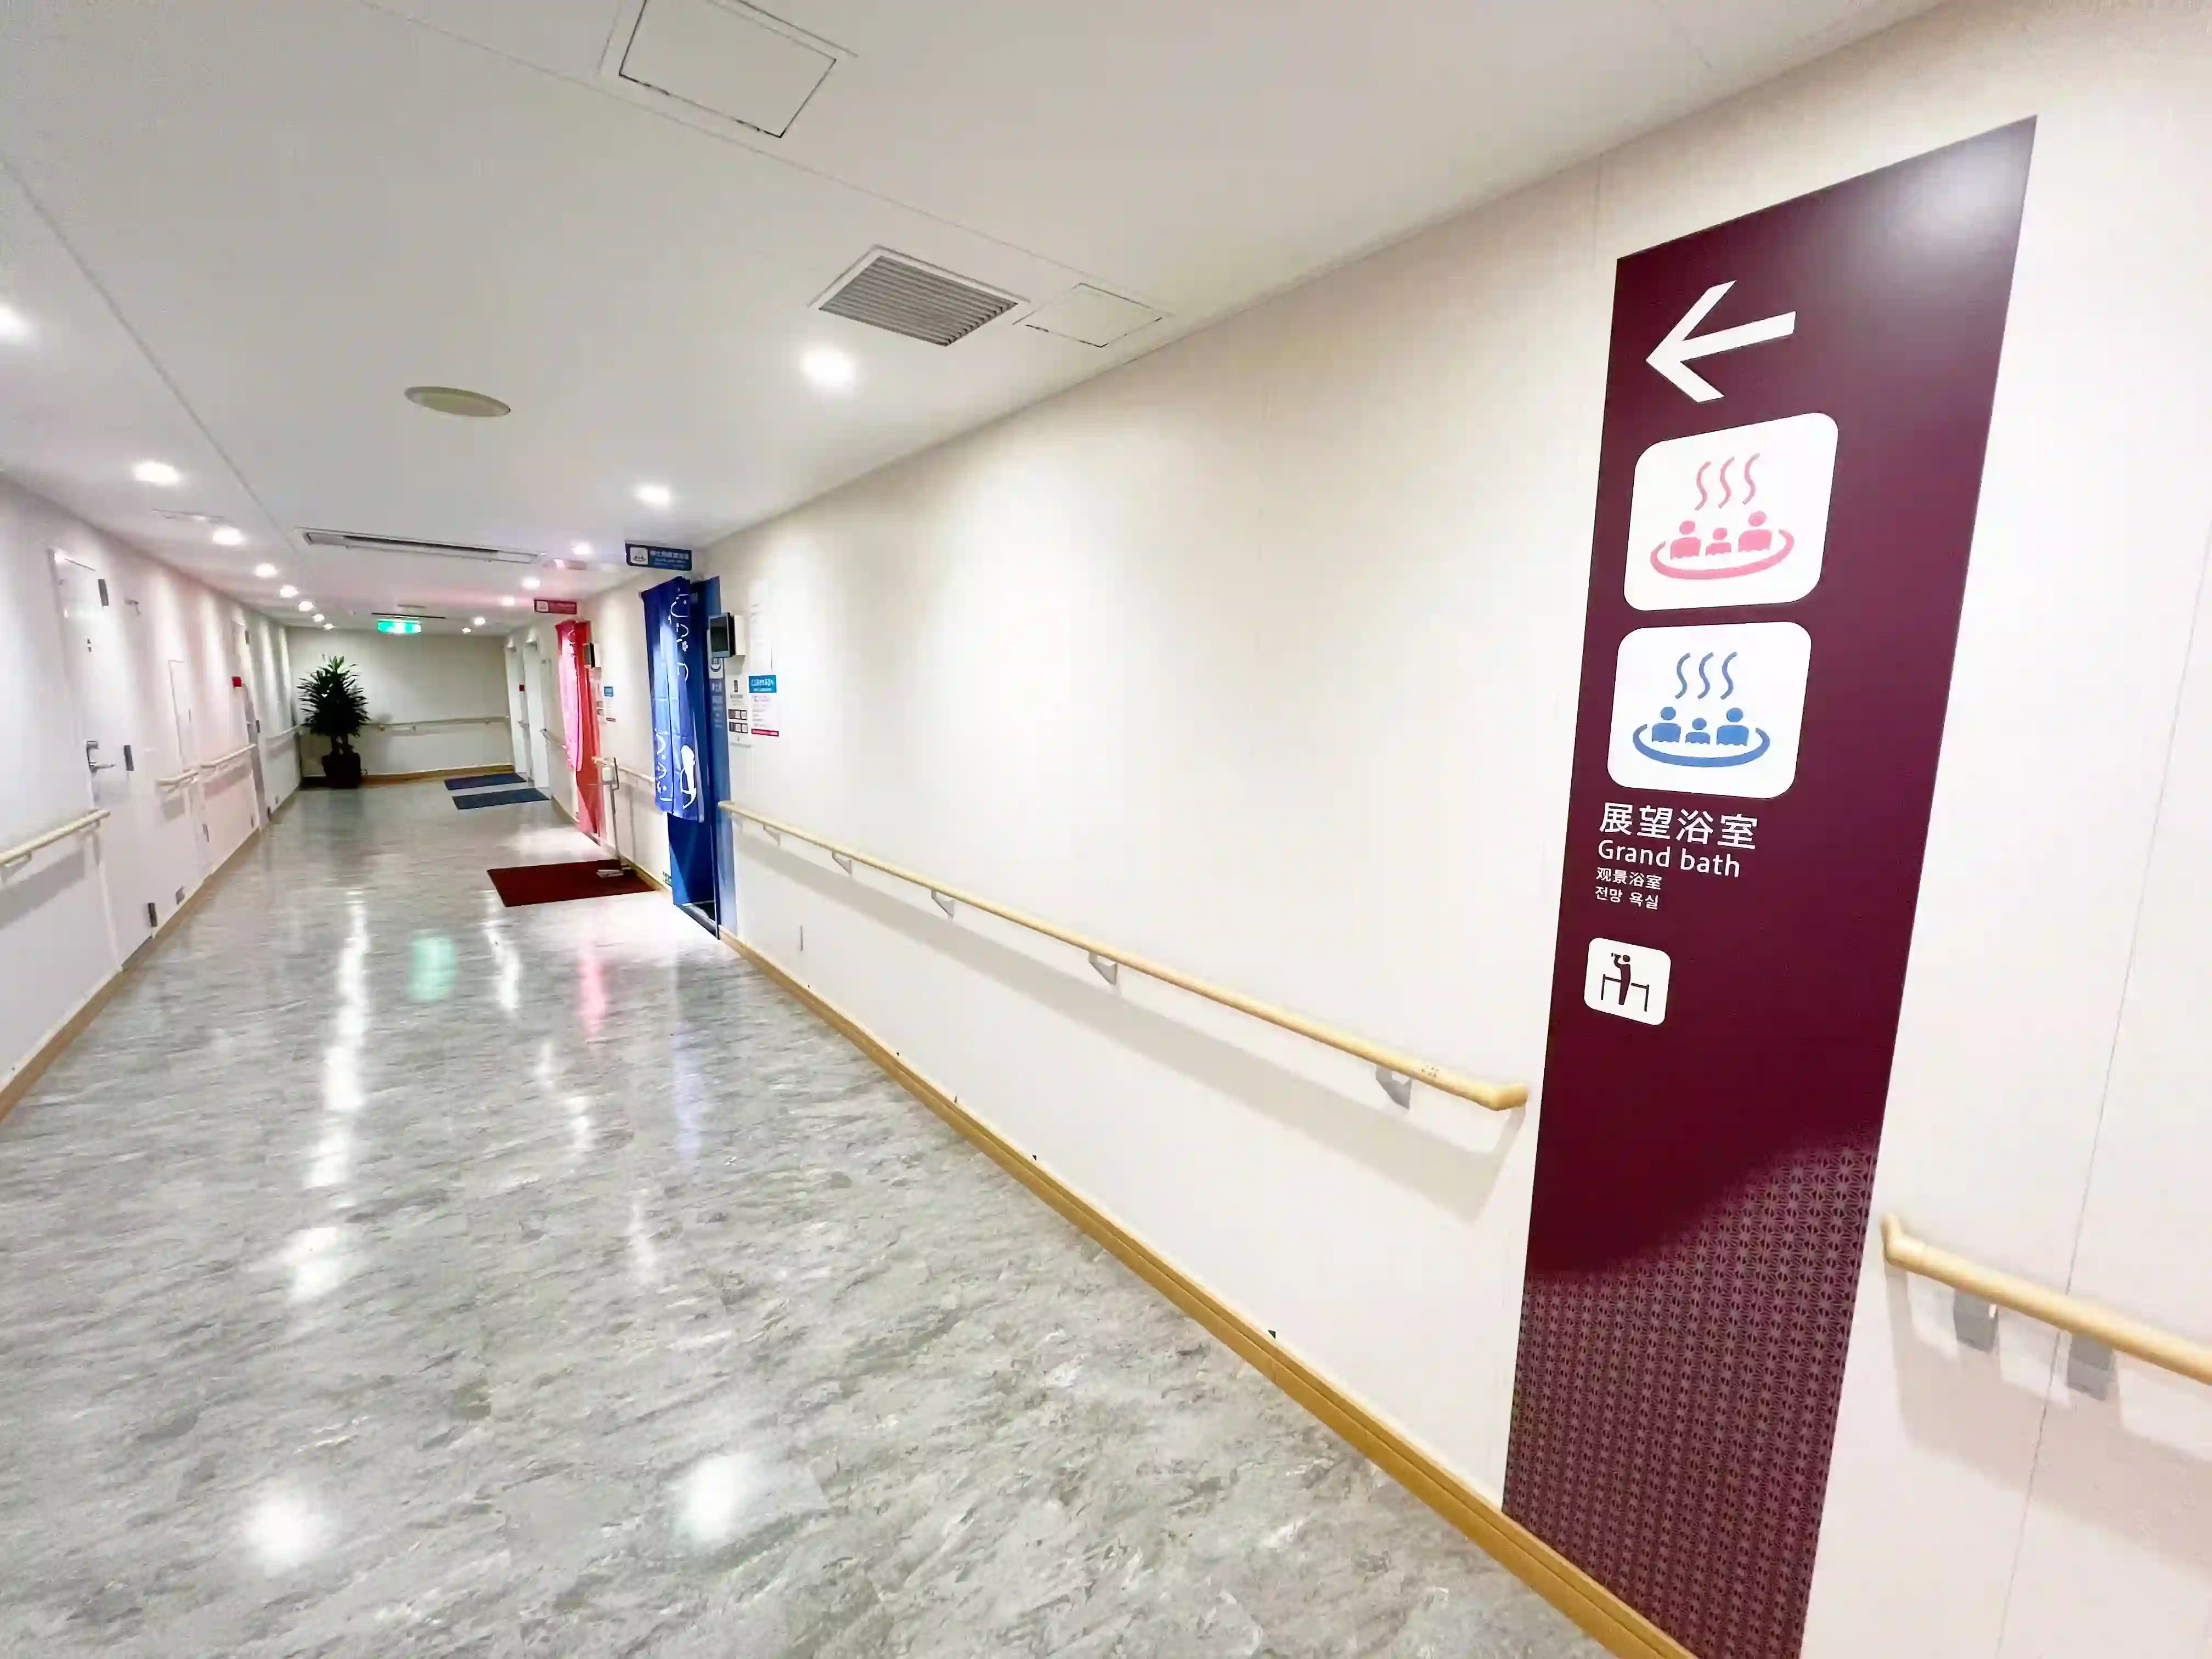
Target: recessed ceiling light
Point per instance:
(157, 472)
(320, 617)
(530, 582)
(654, 495)
(506, 599)
(582, 550)
(476, 621)
(230, 535)
(830, 369)
(13, 326)
(454, 400)
(287, 592)
(327, 626)
(468, 630)
(306, 604)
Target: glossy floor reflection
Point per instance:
(389, 1272)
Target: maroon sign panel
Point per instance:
(1795, 415)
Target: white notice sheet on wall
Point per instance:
(760, 692)
(740, 721)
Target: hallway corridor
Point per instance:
(389, 1272)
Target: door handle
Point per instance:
(92, 765)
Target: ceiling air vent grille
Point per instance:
(362, 544)
(892, 291)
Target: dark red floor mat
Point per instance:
(550, 884)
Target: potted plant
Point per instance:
(333, 706)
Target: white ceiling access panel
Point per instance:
(728, 59)
(1090, 316)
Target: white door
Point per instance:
(187, 794)
(99, 658)
(249, 717)
(559, 783)
(517, 721)
(2116, 1555)
(536, 711)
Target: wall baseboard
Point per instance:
(661, 882)
(378, 780)
(1622, 1630)
(67, 1031)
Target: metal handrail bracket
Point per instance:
(1395, 1072)
(2100, 1328)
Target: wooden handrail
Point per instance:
(443, 720)
(1498, 1097)
(278, 737)
(176, 779)
(2068, 1313)
(76, 826)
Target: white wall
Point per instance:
(57, 944)
(1259, 655)
(635, 827)
(434, 699)
(272, 658)
(531, 663)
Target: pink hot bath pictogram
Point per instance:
(1736, 517)
(1710, 555)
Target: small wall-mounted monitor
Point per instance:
(721, 636)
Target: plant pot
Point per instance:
(342, 769)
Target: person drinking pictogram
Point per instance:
(1622, 980)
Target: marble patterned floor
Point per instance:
(387, 1272)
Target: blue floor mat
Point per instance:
(496, 798)
(484, 779)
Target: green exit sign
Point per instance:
(395, 625)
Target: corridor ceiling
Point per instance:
(235, 231)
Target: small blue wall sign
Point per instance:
(657, 558)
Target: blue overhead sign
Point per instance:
(657, 558)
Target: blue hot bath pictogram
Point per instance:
(1710, 710)
(1703, 743)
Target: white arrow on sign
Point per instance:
(1671, 354)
